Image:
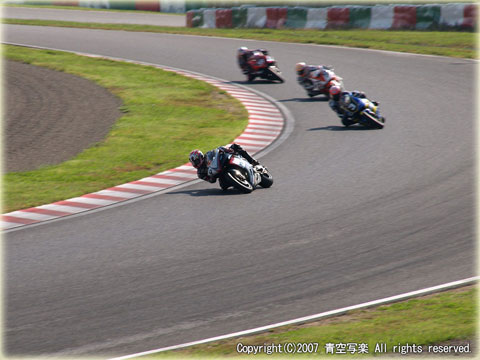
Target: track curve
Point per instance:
(267, 124)
(353, 216)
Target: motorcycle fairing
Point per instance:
(244, 164)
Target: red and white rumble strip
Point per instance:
(265, 123)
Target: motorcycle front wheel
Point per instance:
(371, 121)
(238, 180)
(273, 73)
(267, 179)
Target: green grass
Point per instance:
(436, 319)
(454, 44)
(166, 115)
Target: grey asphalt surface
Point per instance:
(92, 16)
(354, 215)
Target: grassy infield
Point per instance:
(156, 134)
(166, 115)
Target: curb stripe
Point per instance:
(17, 220)
(8, 225)
(253, 100)
(254, 142)
(150, 183)
(171, 177)
(271, 116)
(104, 197)
(122, 188)
(31, 215)
(265, 124)
(257, 132)
(46, 212)
(64, 208)
(88, 200)
(76, 204)
(125, 195)
(260, 107)
(273, 128)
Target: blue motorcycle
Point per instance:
(360, 110)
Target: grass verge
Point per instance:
(165, 116)
(443, 318)
(454, 44)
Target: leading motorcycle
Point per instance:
(263, 66)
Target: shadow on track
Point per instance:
(340, 128)
(255, 82)
(207, 192)
(312, 99)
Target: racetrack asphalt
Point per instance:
(354, 215)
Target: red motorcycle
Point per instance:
(263, 66)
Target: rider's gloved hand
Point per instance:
(235, 147)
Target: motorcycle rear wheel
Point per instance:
(238, 181)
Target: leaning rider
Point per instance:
(312, 76)
(244, 54)
(341, 103)
(206, 170)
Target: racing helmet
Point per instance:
(345, 99)
(300, 68)
(335, 92)
(241, 51)
(196, 158)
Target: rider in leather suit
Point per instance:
(243, 54)
(312, 77)
(339, 105)
(206, 169)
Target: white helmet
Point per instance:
(300, 67)
(242, 50)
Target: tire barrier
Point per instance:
(231, 14)
(461, 17)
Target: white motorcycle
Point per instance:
(321, 84)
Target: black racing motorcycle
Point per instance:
(235, 171)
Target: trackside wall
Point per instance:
(232, 14)
(458, 16)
